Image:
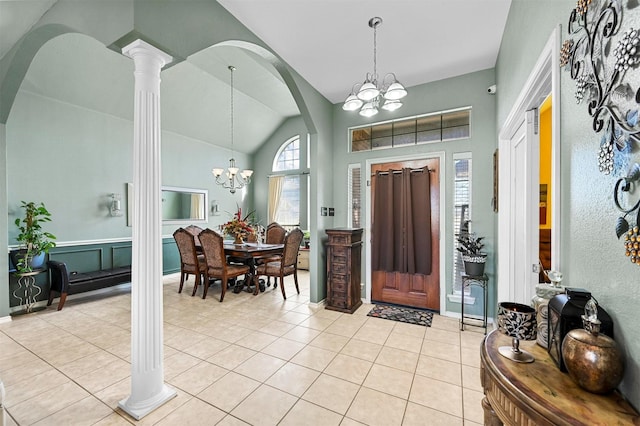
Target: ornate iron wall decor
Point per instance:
(624, 187)
(599, 57)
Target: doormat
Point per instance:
(397, 313)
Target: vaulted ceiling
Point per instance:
(328, 42)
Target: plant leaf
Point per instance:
(622, 92)
(634, 173)
(632, 117)
(622, 226)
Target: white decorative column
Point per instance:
(148, 390)
(2, 416)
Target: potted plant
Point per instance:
(470, 246)
(34, 241)
(306, 237)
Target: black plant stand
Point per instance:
(483, 282)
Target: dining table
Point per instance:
(248, 253)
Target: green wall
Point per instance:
(86, 154)
(591, 255)
(463, 91)
(93, 257)
(4, 213)
(79, 167)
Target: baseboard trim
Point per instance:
(320, 304)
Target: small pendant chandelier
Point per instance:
(369, 96)
(233, 178)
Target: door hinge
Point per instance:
(536, 268)
(368, 183)
(536, 121)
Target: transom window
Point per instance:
(430, 128)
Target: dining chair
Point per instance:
(190, 261)
(216, 262)
(195, 231)
(288, 264)
(274, 234)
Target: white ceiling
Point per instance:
(330, 44)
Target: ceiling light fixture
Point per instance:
(232, 180)
(368, 96)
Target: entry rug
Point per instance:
(397, 313)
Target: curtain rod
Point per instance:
(400, 171)
(288, 174)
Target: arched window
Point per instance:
(288, 156)
(284, 186)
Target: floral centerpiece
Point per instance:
(240, 227)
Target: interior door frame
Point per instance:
(543, 80)
(440, 155)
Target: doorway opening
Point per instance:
(529, 184)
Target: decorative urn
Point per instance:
(594, 361)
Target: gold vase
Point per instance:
(238, 239)
(594, 361)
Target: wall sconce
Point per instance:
(215, 209)
(115, 209)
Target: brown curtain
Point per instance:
(402, 222)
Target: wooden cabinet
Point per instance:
(303, 259)
(343, 269)
(539, 393)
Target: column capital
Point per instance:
(141, 47)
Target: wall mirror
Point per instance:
(179, 205)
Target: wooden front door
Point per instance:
(416, 290)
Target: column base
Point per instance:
(138, 410)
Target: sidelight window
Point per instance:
(461, 210)
(354, 198)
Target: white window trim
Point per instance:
(284, 146)
(456, 295)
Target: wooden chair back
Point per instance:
(194, 230)
(275, 234)
(186, 247)
(291, 247)
(189, 261)
(213, 249)
(216, 262)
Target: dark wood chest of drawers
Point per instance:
(343, 269)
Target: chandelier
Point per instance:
(368, 96)
(233, 178)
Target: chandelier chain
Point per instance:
(375, 54)
(232, 68)
(233, 178)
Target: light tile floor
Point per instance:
(255, 360)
